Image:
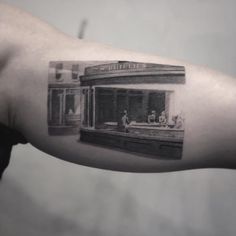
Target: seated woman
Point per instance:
(163, 119)
(179, 122)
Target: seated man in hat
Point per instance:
(152, 117)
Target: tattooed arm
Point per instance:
(94, 105)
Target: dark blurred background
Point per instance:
(41, 195)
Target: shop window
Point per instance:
(156, 102)
(105, 108)
(136, 109)
(58, 74)
(75, 72)
(72, 108)
(56, 106)
(112, 103)
(70, 104)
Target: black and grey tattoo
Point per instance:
(131, 106)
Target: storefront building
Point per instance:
(63, 99)
(135, 107)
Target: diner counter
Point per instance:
(159, 143)
(149, 130)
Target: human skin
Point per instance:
(27, 45)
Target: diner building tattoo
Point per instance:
(131, 106)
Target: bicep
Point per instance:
(71, 109)
(76, 120)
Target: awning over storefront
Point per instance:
(124, 72)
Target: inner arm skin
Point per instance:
(27, 45)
